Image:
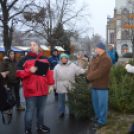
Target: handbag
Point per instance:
(8, 102)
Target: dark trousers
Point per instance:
(55, 94)
(16, 87)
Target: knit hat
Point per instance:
(36, 40)
(9, 51)
(55, 50)
(64, 55)
(101, 46)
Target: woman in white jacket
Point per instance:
(64, 75)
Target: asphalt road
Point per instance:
(66, 125)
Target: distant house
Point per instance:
(23, 39)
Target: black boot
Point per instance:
(130, 132)
(61, 115)
(28, 131)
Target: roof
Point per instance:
(44, 47)
(2, 50)
(23, 48)
(59, 48)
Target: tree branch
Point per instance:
(18, 13)
(13, 3)
(73, 16)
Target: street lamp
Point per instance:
(108, 19)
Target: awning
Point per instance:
(2, 50)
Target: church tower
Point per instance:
(119, 4)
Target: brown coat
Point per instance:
(99, 71)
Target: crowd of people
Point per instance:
(58, 77)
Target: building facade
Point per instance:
(116, 35)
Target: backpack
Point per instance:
(6, 102)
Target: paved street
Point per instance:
(66, 125)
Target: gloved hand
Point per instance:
(51, 89)
(129, 68)
(87, 79)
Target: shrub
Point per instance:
(131, 61)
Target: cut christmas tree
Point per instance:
(80, 98)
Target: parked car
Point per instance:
(127, 55)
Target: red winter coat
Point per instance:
(34, 85)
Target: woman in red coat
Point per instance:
(35, 87)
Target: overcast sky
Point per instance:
(99, 9)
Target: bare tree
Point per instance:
(52, 13)
(9, 12)
(88, 43)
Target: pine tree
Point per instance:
(80, 102)
(61, 37)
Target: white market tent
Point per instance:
(23, 48)
(59, 48)
(44, 48)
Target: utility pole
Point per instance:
(108, 19)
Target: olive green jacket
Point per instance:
(11, 66)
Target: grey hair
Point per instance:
(80, 53)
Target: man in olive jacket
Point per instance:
(11, 81)
(99, 76)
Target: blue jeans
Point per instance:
(100, 104)
(31, 104)
(61, 104)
